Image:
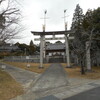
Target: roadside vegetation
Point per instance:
(72, 72)
(34, 67)
(9, 88)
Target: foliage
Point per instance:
(77, 18)
(87, 28)
(27, 49)
(3, 54)
(96, 19)
(92, 21)
(22, 50)
(78, 44)
(88, 20)
(31, 48)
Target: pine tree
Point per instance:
(77, 18)
(31, 43)
(78, 43)
(31, 48)
(77, 26)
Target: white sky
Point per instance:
(33, 11)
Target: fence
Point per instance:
(35, 58)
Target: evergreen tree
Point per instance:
(31, 43)
(77, 18)
(77, 26)
(87, 28)
(92, 22)
(31, 48)
(88, 20)
(78, 42)
(96, 19)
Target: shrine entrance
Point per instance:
(47, 50)
(55, 53)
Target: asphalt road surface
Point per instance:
(93, 94)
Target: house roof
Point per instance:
(8, 47)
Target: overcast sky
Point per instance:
(33, 11)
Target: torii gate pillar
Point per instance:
(67, 47)
(67, 51)
(41, 51)
(42, 44)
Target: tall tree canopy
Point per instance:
(87, 28)
(77, 18)
(77, 26)
(91, 21)
(31, 48)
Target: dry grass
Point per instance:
(34, 67)
(72, 72)
(76, 72)
(9, 88)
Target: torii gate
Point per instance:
(42, 39)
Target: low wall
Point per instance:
(34, 59)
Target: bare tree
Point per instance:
(9, 18)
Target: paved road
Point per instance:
(93, 94)
(55, 76)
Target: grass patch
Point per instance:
(76, 72)
(9, 88)
(34, 67)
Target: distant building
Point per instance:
(55, 48)
(8, 48)
(55, 52)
